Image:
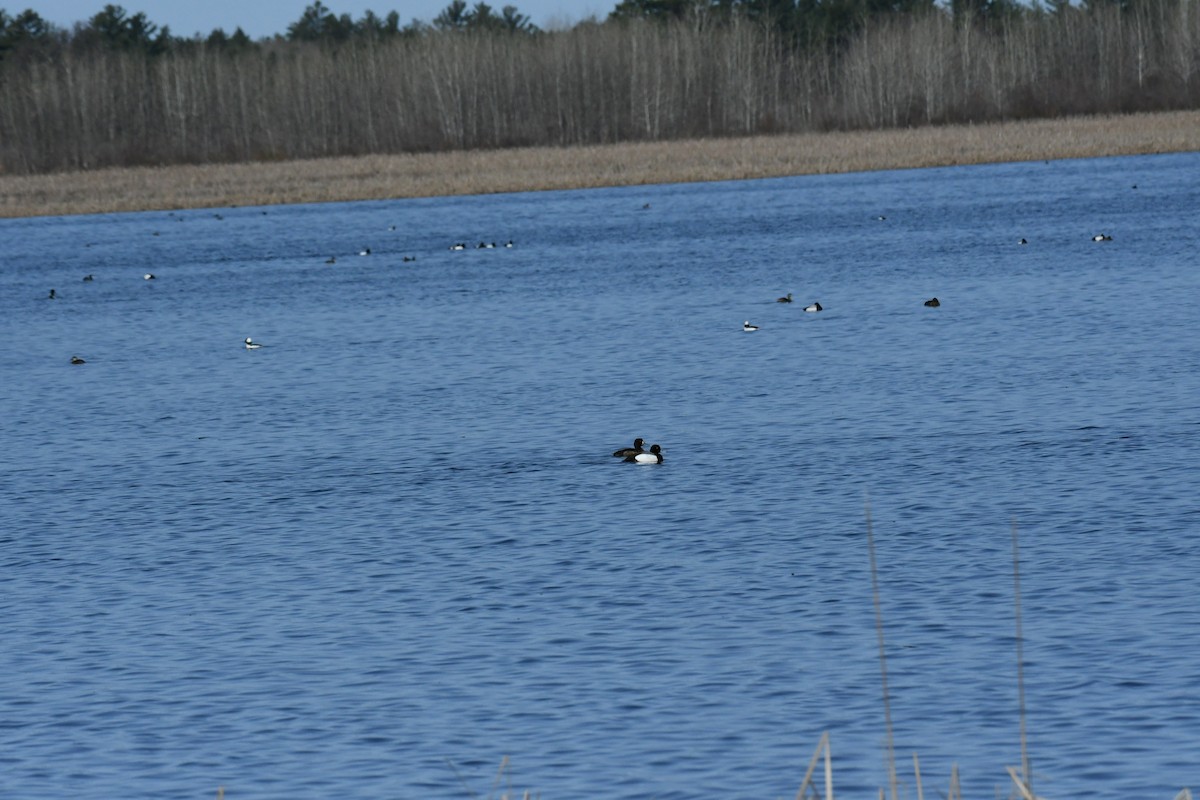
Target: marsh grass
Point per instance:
(378, 177)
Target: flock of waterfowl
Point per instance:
(249, 342)
(932, 302)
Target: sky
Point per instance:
(261, 18)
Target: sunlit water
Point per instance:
(377, 556)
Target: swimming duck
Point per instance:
(746, 326)
(814, 307)
(508, 243)
(253, 345)
(458, 246)
(933, 302)
(366, 251)
(625, 452)
(77, 360)
(1022, 241)
(653, 457)
(787, 299)
(149, 276)
(52, 295)
(331, 260)
(1101, 237)
(88, 278)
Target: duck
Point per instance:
(52, 295)
(1101, 237)
(366, 251)
(149, 276)
(77, 360)
(787, 299)
(331, 260)
(746, 326)
(625, 452)
(409, 258)
(933, 302)
(653, 457)
(88, 278)
(814, 307)
(458, 246)
(1022, 241)
(253, 345)
(508, 244)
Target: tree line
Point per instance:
(119, 91)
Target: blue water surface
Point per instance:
(391, 549)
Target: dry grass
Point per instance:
(483, 172)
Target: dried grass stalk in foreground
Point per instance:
(487, 171)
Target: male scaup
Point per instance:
(933, 302)
(149, 276)
(77, 360)
(787, 299)
(253, 345)
(814, 307)
(366, 251)
(746, 326)
(625, 452)
(653, 457)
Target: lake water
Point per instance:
(391, 548)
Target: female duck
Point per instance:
(626, 452)
(653, 457)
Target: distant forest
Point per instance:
(117, 90)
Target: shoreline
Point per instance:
(384, 177)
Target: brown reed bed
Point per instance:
(378, 177)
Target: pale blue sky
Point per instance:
(260, 18)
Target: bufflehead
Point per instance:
(52, 295)
(366, 251)
(1022, 241)
(653, 457)
(814, 307)
(458, 246)
(149, 276)
(253, 345)
(625, 452)
(787, 299)
(933, 302)
(1101, 237)
(77, 360)
(746, 326)
(508, 243)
